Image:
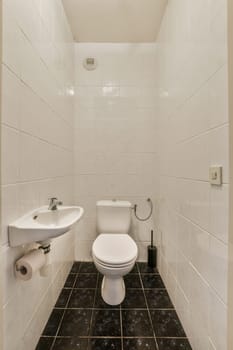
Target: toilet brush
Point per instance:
(152, 252)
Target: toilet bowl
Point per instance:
(114, 251)
(114, 257)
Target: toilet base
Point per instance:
(113, 290)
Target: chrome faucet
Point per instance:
(53, 203)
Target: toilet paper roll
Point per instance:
(29, 264)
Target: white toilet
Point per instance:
(114, 251)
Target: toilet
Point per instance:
(114, 251)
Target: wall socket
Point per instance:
(215, 175)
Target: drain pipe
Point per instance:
(45, 269)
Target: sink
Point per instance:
(43, 224)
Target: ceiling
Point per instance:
(114, 20)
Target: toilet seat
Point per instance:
(114, 250)
(113, 266)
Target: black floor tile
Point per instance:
(144, 268)
(132, 281)
(104, 344)
(72, 343)
(158, 299)
(45, 343)
(173, 344)
(70, 281)
(63, 298)
(81, 298)
(87, 267)
(84, 321)
(100, 279)
(152, 281)
(100, 303)
(136, 323)
(53, 322)
(166, 323)
(76, 322)
(139, 344)
(106, 323)
(75, 267)
(86, 280)
(134, 299)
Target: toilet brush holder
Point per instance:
(152, 253)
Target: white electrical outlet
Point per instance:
(215, 175)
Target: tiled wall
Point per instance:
(115, 141)
(36, 154)
(146, 109)
(193, 128)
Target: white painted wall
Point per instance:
(115, 135)
(193, 128)
(36, 152)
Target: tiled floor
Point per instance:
(81, 320)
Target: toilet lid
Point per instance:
(114, 248)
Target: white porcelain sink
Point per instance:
(43, 224)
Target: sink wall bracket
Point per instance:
(46, 248)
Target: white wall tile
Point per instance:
(192, 98)
(115, 134)
(219, 150)
(199, 306)
(149, 121)
(29, 165)
(218, 267)
(200, 250)
(12, 41)
(37, 150)
(10, 208)
(10, 98)
(183, 275)
(10, 155)
(219, 212)
(218, 322)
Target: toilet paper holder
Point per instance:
(24, 270)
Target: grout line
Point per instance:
(203, 133)
(115, 309)
(58, 328)
(34, 181)
(92, 309)
(143, 290)
(193, 223)
(110, 337)
(197, 89)
(181, 338)
(65, 308)
(189, 179)
(21, 131)
(121, 325)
